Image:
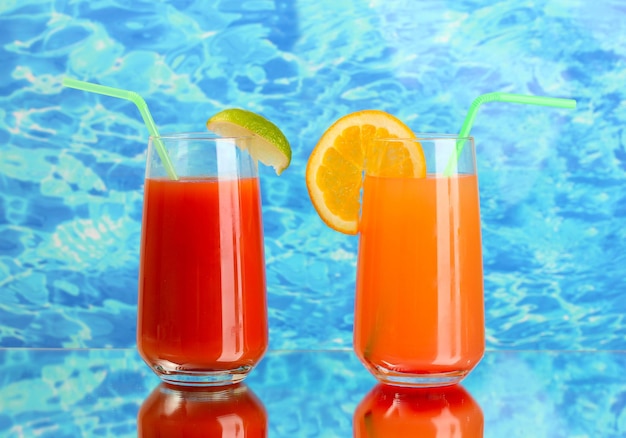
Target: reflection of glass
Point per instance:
(419, 317)
(391, 412)
(202, 317)
(220, 412)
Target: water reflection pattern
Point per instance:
(72, 164)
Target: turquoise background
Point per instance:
(72, 163)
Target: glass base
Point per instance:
(425, 380)
(176, 375)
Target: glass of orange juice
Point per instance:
(202, 312)
(391, 412)
(419, 312)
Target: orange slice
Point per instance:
(334, 172)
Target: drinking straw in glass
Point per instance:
(143, 110)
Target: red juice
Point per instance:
(202, 302)
(232, 411)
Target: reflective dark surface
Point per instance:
(57, 393)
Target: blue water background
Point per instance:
(552, 181)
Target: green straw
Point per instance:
(143, 110)
(499, 97)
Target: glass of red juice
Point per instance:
(202, 311)
(419, 311)
(228, 411)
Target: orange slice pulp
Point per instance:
(334, 173)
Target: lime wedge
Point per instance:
(268, 144)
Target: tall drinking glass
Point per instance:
(419, 316)
(202, 316)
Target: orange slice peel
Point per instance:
(347, 150)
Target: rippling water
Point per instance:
(71, 164)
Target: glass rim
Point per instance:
(427, 137)
(197, 135)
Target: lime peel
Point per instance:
(268, 144)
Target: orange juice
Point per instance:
(391, 412)
(419, 302)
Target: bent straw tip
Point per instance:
(139, 102)
(570, 103)
(74, 83)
